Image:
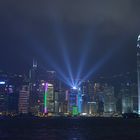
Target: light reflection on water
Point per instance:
(69, 129)
(43, 134)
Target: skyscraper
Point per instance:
(87, 89)
(3, 97)
(33, 72)
(24, 99)
(33, 100)
(109, 100)
(74, 103)
(49, 98)
(126, 99)
(138, 71)
(99, 98)
(52, 79)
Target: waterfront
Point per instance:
(70, 129)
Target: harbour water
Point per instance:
(70, 129)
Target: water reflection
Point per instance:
(43, 134)
(94, 129)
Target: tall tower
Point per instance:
(33, 104)
(34, 63)
(138, 71)
(24, 99)
(33, 72)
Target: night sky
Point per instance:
(39, 29)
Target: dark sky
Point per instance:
(39, 28)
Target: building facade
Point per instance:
(24, 94)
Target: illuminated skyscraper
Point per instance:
(49, 98)
(87, 88)
(99, 98)
(74, 101)
(52, 79)
(24, 99)
(127, 103)
(9, 92)
(109, 100)
(3, 97)
(33, 72)
(56, 102)
(138, 71)
(62, 101)
(41, 97)
(33, 107)
(134, 97)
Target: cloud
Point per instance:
(122, 13)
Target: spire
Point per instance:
(138, 42)
(34, 63)
(139, 38)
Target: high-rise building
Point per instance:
(74, 101)
(13, 93)
(127, 103)
(56, 101)
(24, 99)
(134, 97)
(50, 98)
(49, 106)
(109, 99)
(84, 97)
(33, 78)
(41, 92)
(63, 101)
(3, 97)
(33, 73)
(13, 87)
(87, 89)
(99, 98)
(92, 108)
(138, 71)
(47, 98)
(52, 79)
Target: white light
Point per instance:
(2, 83)
(84, 114)
(43, 84)
(138, 37)
(74, 87)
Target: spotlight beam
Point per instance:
(84, 53)
(62, 45)
(50, 60)
(31, 39)
(99, 64)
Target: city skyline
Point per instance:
(79, 38)
(71, 50)
(70, 69)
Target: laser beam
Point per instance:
(86, 45)
(99, 64)
(62, 45)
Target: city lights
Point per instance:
(2, 82)
(74, 87)
(70, 69)
(138, 71)
(45, 98)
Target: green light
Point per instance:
(45, 98)
(45, 102)
(74, 110)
